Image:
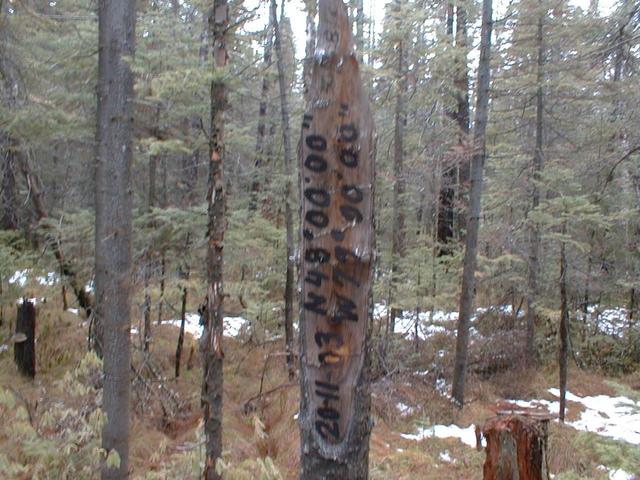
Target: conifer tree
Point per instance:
(113, 231)
(211, 341)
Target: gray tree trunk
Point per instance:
(337, 178)
(473, 218)
(211, 341)
(289, 289)
(534, 228)
(9, 220)
(397, 243)
(461, 85)
(564, 328)
(261, 137)
(310, 47)
(114, 221)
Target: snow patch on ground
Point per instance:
(233, 326)
(34, 300)
(613, 417)
(49, 280)
(20, 277)
(466, 435)
(620, 475)
(4, 347)
(446, 457)
(443, 388)
(405, 410)
(610, 321)
(434, 322)
(75, 311)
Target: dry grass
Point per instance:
(265, 426)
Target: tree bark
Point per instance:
(455, 170)
(183, 319)
(473, 218)
(397, 244)
(25, 350)
(337, 178)
(259, 175)
(534, 228)
(289, 289)
(114, 221)
(461, 85)
(9, 220)
(564, 328)
(211, 341)
(516, 448)
(310, 47)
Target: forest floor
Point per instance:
(417, 432)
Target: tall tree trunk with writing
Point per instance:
(534, 228)
(211, 341)
(475, 199)
(397, 244)
(261, 138)
(114, 221)
(289, 288)
(337, 177)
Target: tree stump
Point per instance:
(24, 352)
(516, 448)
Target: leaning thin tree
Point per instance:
(337, 177)
(475, 198)
(211, 341)
(114, 199)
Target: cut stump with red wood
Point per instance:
(516, 448)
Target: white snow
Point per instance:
(405, 410)
(614, 417)
(233, 326)
(610, 321)
(442, 387)
(434, 322)
(446, 457)
(620, 475)
(20, 277)
(50, 280)
(31, 300)
(75, 311)
(4, 347)
(466, 435)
